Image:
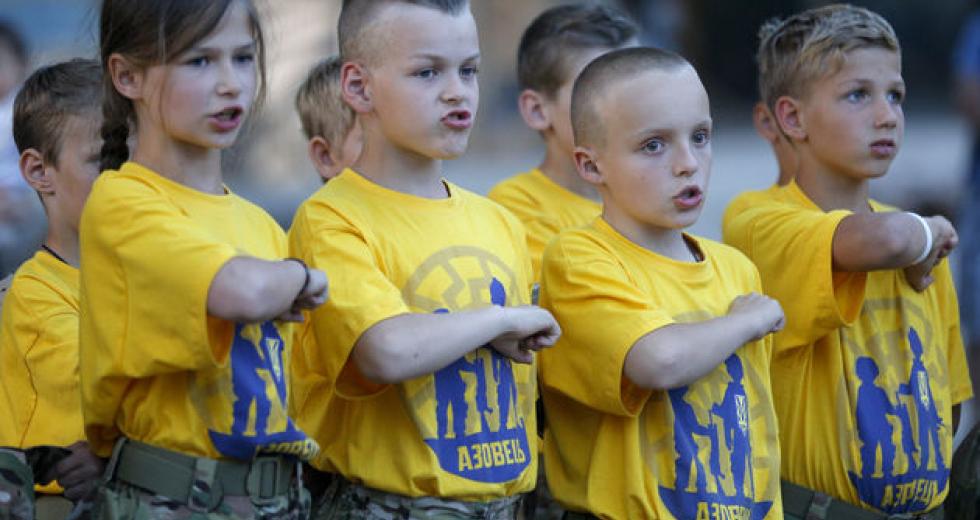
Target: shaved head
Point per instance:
(611, 69)
(358, 17)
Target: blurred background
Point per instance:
(270, 166)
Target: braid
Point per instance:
(116, 112)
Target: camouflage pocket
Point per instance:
(16, 488)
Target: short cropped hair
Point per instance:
(806, 46)
(357, 15)
(48, 97)
(558, 34)
(322, 110)
(614, 67)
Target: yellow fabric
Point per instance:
(545, 208)
(620, 452)
(155, 366)
(467, 431)
(39, 394)
(845, 430)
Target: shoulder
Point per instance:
(579, 245)
(515, 187)
(37, 291)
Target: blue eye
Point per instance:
(701, 137)
(427, 73)
(245, 58)
(653, 146)
(857, 96)
(198, 61)
(896, 97)
(469, 72)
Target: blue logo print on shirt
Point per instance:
(259, 384)
(927, 473)
(687, 501)
(484, 438)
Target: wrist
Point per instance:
(306, 275)
(929, 239)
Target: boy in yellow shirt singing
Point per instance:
(333, 136)
(554, 49)
(426, 344)
(56, 122)
(657, 394)
(870, 367)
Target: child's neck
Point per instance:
(832, 190)
(668, 242)
(560, 168)
(62, 238)
(195, 167)
(401, 170)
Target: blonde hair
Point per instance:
(322, 110)
(806, 46)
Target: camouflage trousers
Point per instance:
(16, 487)
(344, 500)
(118, 501)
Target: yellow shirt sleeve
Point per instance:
(144, 296)
(601, 308)
(361, 297)
(961, 387)
(793, 247)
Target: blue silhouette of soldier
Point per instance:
(686, 425)
(734, 413)
(246, 361)
(929, 422)
(874, 429)
(451, 388)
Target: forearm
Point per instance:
(681, 353)
(248, 289)
(411, 345)
(871, 242)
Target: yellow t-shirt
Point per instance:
(155, 366)
(468, 430)
(39, 399)
(853, 340)
(704, 451)
(545, 208)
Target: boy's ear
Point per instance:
(587, 165)
(127, 79)
(354, 87)
(35, 172)
(534, 110)
(320, 154)
(789, 116)
(765, 123)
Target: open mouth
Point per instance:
(689, 197)
(228, 114)
(458, 119)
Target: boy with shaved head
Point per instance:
(426, 346)
(658, 397)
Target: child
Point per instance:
(55, 124)
(657, 394)
(333, 135)
(428, 358)
(557, 45)
(183, 287)
(869, 368)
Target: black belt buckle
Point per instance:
(264, 478)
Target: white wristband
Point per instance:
(928, 247)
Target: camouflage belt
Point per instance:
(807, 504)
(353, 500)
(200, 482)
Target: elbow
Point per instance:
(654, 368)
(376, 360)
